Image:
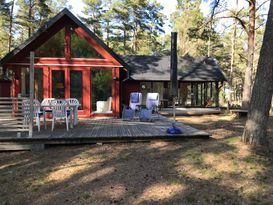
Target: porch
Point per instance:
(99, 130)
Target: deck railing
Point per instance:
(11, 115)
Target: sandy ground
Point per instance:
(221, 170)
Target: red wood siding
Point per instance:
(64, 62)
(128, 87)
(5, 88)
(67, 64)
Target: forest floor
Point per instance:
(221, 170)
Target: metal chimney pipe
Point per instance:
(173, 70)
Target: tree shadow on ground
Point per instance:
(182, 172)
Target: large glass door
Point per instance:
(101, 91)
(58, 84)
(76, 86)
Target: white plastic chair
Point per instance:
(26, 111)
(152, 100)
(59, 111)
(37, 113)
(46, 103)
(135, 100)
(104, 106)
(75, 103)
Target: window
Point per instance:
(76, 86)
(58, 84)
(101, 88)
(80, 48)
(54, 47)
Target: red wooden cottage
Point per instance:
(70, 62)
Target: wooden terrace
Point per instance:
(101, 130)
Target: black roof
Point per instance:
(50, 23)
(157, 68)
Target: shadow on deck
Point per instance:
(101, 131)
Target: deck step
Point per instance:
(13, 146)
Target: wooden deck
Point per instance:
(181, 111)
(104, 130)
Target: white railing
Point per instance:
(11, 115)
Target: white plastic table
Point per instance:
(73, 113)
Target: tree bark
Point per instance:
(250, 55)
(11, 24)
(233, 46)
(30, 29)
(256, 126)
(124, 40)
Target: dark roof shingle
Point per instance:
(157, 68)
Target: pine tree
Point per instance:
(250, 56)
(125, 25)
(93, 11)
(255, 131)
(6, 22)
(192, 28)
(31, 15)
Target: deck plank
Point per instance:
(109, 128)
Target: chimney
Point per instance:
(173, 71)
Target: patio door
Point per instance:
(58, 86)
(97, 89)
(101, 91)
(76, 86)
(68, 83)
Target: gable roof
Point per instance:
(157, 68)
(53, 21)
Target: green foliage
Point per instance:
(6, 20)
(31, 15)
(54, 47)
(129, 27)
(101, 85)
(191, 26)
(93, 14)
(81, 49)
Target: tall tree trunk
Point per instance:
(30, 19)
(250, 55)
(209, 46)
(10, 24)
(107, 32)
(232, 54)
(256, 126)
(233, 46)
(124, 40)
(134, 41)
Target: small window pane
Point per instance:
(101, 83)
(58, 84)
(38, 84)
(54, 47)
(76, 86)
(80, 48)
